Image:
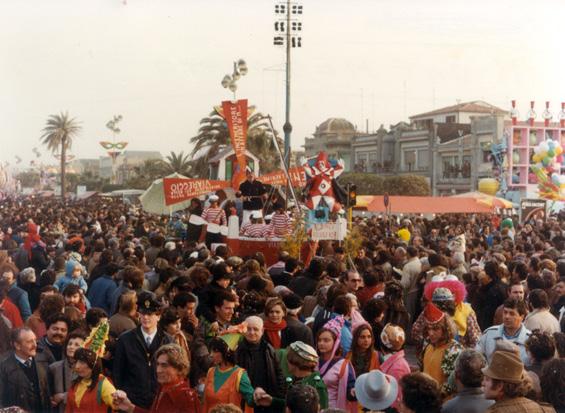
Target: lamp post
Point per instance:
(287, 33)
(230, 81)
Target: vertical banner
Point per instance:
(235, 114)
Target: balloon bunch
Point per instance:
(551, 184)
(546, 152)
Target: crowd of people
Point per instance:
(105, 307)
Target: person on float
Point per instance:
(213, 214)
(174, 394)
(253, 193)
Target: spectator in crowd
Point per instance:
(24, 381)
(133, 369)
(540, 318)
(259, 359)
(61, 372)
(511, 329)
(174, 394)
(18, 296)
(302, 398)
(506, 383)
(421, 394)
(470, 397)
(552, 383)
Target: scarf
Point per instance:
(273, 332)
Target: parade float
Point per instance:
(317, 215)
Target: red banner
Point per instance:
(180, 189)
(235, 114)
(297, 177)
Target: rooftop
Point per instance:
(477, 106)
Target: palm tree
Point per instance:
(178, 163)
(58, 135)
(213, 135)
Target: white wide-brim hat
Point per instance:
(376, 390)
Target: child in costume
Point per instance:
(91, 391)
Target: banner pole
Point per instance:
(281, 157)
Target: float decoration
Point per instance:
(551, 184)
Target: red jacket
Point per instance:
(174, 398)
(12, 313)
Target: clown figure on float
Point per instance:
(322, 192)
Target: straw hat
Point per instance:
(376, 390)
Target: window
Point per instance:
(450, 119)
(423, 159)
(410, 160)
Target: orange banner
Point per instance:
(180, 189)
(235, 114)
(297, 177)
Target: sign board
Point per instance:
(297, 177)
(327, 231)
(180, 189)
(81, 189)
(532, 209)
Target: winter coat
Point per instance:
(134, 367)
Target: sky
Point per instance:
(159, 64)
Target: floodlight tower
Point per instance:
(288, 32)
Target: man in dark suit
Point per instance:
(134, 370)
(253, 192)
(23, 379)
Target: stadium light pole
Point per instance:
(230, 81)
(287, 33)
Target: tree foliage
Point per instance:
(176, 163)
(28, 179)
(372, 184)
(367, 184)
(58, 135)
(413, 185)
(213, 136)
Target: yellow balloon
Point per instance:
(488, 186)
(558, 150)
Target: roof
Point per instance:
(477, 106)
(448, 131)
(422, 204)
(334, 125)
(227, 152)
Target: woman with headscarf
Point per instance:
(393, 360)
(336, 371)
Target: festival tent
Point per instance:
(423, 205)
(153, 199)
(488, 200)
